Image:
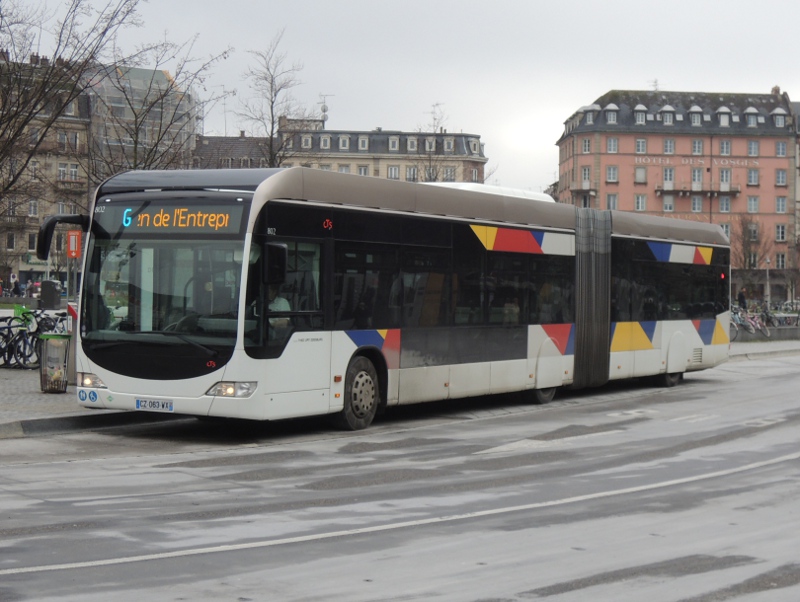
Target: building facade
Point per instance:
(728, 159)
(394, 155)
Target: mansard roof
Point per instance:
(682, 104)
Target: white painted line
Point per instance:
(536, 443)
(392, 526)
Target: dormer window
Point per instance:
(696, 116)
(412, 145)
(667, 115)
(344, 142)
(589, 118)
(325, 142)
(611, 111)
(430, 145)
(473, 147)
(363, 143)
(640, 114)
(724, 115)
(751, 115)
(779, 117)
(394, 143)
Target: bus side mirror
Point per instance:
(276, 260)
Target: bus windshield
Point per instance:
(176, 290)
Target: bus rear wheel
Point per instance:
(542, 396)
(670, 379)
(361, 396)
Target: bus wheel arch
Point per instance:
(364, 392)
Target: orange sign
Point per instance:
(73, 244)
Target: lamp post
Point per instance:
(767, 295)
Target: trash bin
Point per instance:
(53, 362)
(50, 295)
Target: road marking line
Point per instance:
(392, 526)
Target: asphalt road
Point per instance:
(627, 493)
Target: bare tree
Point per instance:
(271, 80)
(749, 248)
(35, 90)
(144, 116)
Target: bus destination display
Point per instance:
(165, 218)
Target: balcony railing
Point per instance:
(687, 187)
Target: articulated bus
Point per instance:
(275, 293)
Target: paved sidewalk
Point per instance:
(25, 410)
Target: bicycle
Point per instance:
(758, 324)
(18, 347)
(739, 320)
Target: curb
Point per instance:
(66, 424)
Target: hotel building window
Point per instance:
(589, 118)
(611, 116)
(393, 172)
(449, 174)
(724, 204)
(696, 119)
(641, 146)
(724, 175)
(411, 174)
(780, 233)
(669, 176)
(780, 204)
(725, 148)
(669, 146)
(640, 175)
(669, 203)
(780, 177)
(780, 261)
(752, 261)
(697, 203)
(611, 201)
(612, 173)
(752, 230)
(780, 121)
(697, 178)
(363, 143)
(724, 120)
(325, 142)
(752, 120)
(668, 117)
(752, 204)
(411, 145)
(752, 177)
(752, 148)
(697, 147)
(612, 145)
(640, 202)
(363, 170)
(587, 146)
(344, 142)
(641, 117)
(726, 228)
(780, 149)
(586, 174)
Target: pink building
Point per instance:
(723, 158)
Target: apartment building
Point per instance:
(722, 158)
(395, 155)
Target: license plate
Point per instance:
(154, 405)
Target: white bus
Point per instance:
(267, 294)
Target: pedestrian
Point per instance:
(15, 291)
(742, 299)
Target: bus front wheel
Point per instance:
(361, 395)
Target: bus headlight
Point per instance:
(233, 389)
(87, 379)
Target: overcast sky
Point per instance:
(509, 71)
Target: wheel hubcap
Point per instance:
(363, 397)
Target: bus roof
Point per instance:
(485, 204)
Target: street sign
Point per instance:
(73, 244)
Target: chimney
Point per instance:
(241, 133)
(776, 90)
